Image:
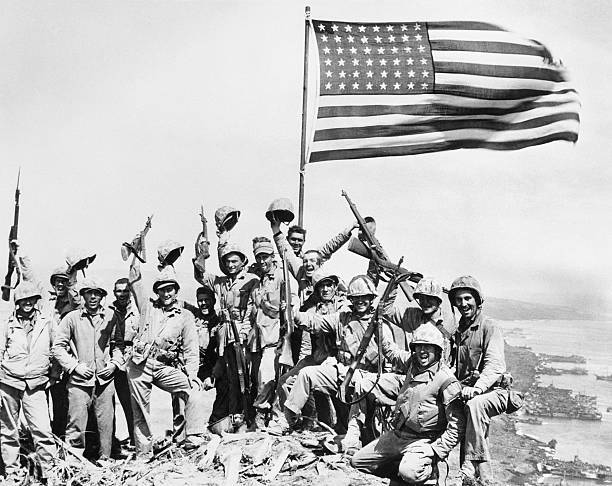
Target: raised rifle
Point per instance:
(375, 325)
(368, 246)
(13, 264)
(286, 317)
(202, 245)
(137, 246)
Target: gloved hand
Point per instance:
(83, 371)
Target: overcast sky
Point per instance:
(115, 110)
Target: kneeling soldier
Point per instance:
(25, 352)
(428, 417)
(165, 353)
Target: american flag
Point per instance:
(407, 88)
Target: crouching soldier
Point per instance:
(165, 353)
(428, 419)
(25, 353)
(87, 347)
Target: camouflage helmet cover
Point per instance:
(280, 209)
(466, 282)
(427, 333)
(26, 290)
(428, 286)
(361, 285)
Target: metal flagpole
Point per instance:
(304, 117)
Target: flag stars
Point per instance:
(376, 28)
(396, 62)
(405, 38)
(391, 38)
(396, 86)
(323, 38)
(383, 62)
(338, 39)
(407, 49)
(381, 50)
(424, 85)
(369, 62)
(383, 74)
(417, 26)
(397, 74)
(410, 61)
(341, 62)
(334, 28)
(421, 49)
(362, 28)
(410, 85)
(322, 27)
(418, 37)
(328, 85)
(326, 50)
(423, 61)
(355, 74)
(342, 74)
(425, 74)
(364, 40)
(383, 85)
(369, 86)
(328, 62)
(341, 85)
(367, 50)
(355, 85)
(389, 28)
(350, 38)
(328, 74)
(339, 50)
(369, 74)
(353, 50)
(348, 28)
(394, 50)
(355, 62)
(404, 27)
(378, 39)
(411, 74)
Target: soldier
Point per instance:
(127, 316)
(165, 353)
(89, 350)
(25, 351)
(347, 328)
(232, 292)
(428, 418)
(325, 300)
(478, 355)
(207, 321)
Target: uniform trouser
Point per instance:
(59, 400)
(36, 412)
(393, 455)
(325, 378)
(263, 365)
(122, 388)
(80, 399)
(287, 381)
(141, 378)
(479, 411)
(228, 398)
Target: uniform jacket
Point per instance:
(167, 335)
(83, 338)
(126, 324)
(479, 345)
(25, 360)
(321, 346)
(296, 265)
(347, 330)
(428, 405)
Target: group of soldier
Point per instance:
(423, 384)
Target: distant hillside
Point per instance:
(506, 309)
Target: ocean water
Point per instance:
(589, 440)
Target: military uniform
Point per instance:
(166, 341)
(88, 338)
(25, 359)
(427, 412)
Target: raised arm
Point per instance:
(326, 250)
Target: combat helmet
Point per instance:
(25, 290)
(168, 252)
(59, 272)
(280, 209)
(466, 282)
(226, 217)
(167, 276)
(319, 277)
(427, 333)
(233, 248)
(361, 285)
(428, 286)
(91, 284)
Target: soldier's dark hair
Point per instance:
(316, 252)
(259, 239)
(369, 219)
(207, 291)
(122, 280)
(296, 229)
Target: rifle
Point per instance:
(202, 245)
(286, 317)
(368, 246)
(137, 245)
(374, 326)
(13, 264)
(241, 366)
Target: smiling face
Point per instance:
(25, 307)
(233, 263)
(426, 354)
(93, 298)
(296, 240)
(265, 260)
(206, 303)
(122, 293)
(428, 303)
(466, 303)
(361, 303)
(311, 262)
(167, 295)
(60, 285)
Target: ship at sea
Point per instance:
(604, 377)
